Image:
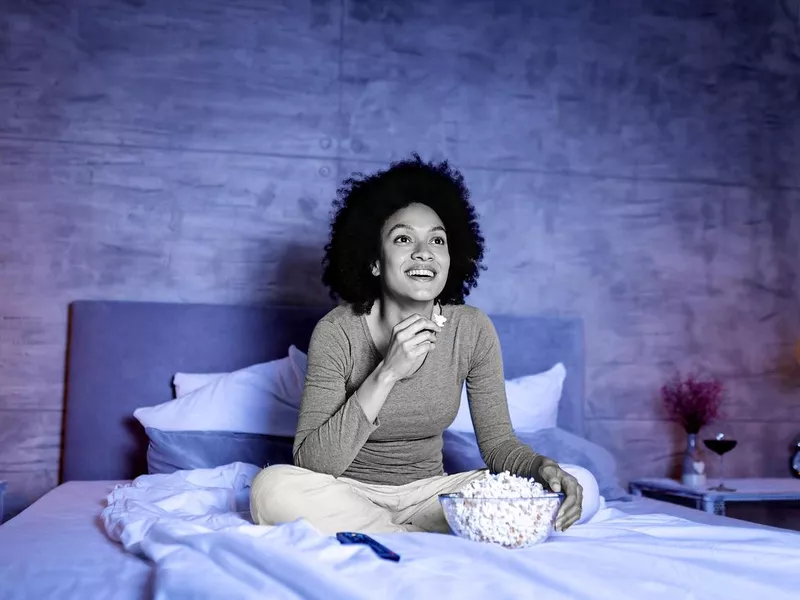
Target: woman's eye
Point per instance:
(399, 238)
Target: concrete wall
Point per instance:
(636, 162)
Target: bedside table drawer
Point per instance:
(688, 502)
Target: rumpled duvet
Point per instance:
(195, 527)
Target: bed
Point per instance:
(123, 355)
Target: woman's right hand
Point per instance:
(410, 343)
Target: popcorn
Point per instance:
(522, 518)
(439, 320)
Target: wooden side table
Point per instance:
(3, 486)
(784, 489)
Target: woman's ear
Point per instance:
(376, 269)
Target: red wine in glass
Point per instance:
(720, 445)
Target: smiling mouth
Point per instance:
(421, 274)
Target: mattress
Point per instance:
(57, 549)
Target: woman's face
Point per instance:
(413, 238)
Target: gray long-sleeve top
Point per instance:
(404, 444)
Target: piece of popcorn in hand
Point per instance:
(439, 320)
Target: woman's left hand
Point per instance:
(559, 480)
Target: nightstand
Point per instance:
(784, 489)
(3, 486)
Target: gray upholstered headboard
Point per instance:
(123, 355)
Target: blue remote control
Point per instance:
(346, 537)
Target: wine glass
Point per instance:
(720, 444)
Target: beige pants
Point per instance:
(285, 493)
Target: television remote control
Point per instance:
(346, 537)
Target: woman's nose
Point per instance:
(422, 250)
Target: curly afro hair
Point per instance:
(363, 205)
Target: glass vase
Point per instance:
(693, 472)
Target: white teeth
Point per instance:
(420, 272)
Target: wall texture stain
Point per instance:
(634, 162)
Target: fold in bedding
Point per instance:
(194, 526)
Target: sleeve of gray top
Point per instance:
(500, 448)
(331, 428)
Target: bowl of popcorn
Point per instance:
(502, 509)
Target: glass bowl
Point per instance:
(508, 522)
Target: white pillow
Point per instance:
(299, 363)
(532, 401)
(186, 383)
(261, 399)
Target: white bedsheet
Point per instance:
(193, 525)
(57, 549)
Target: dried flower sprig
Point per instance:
(691, 402)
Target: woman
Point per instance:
(384, 380)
